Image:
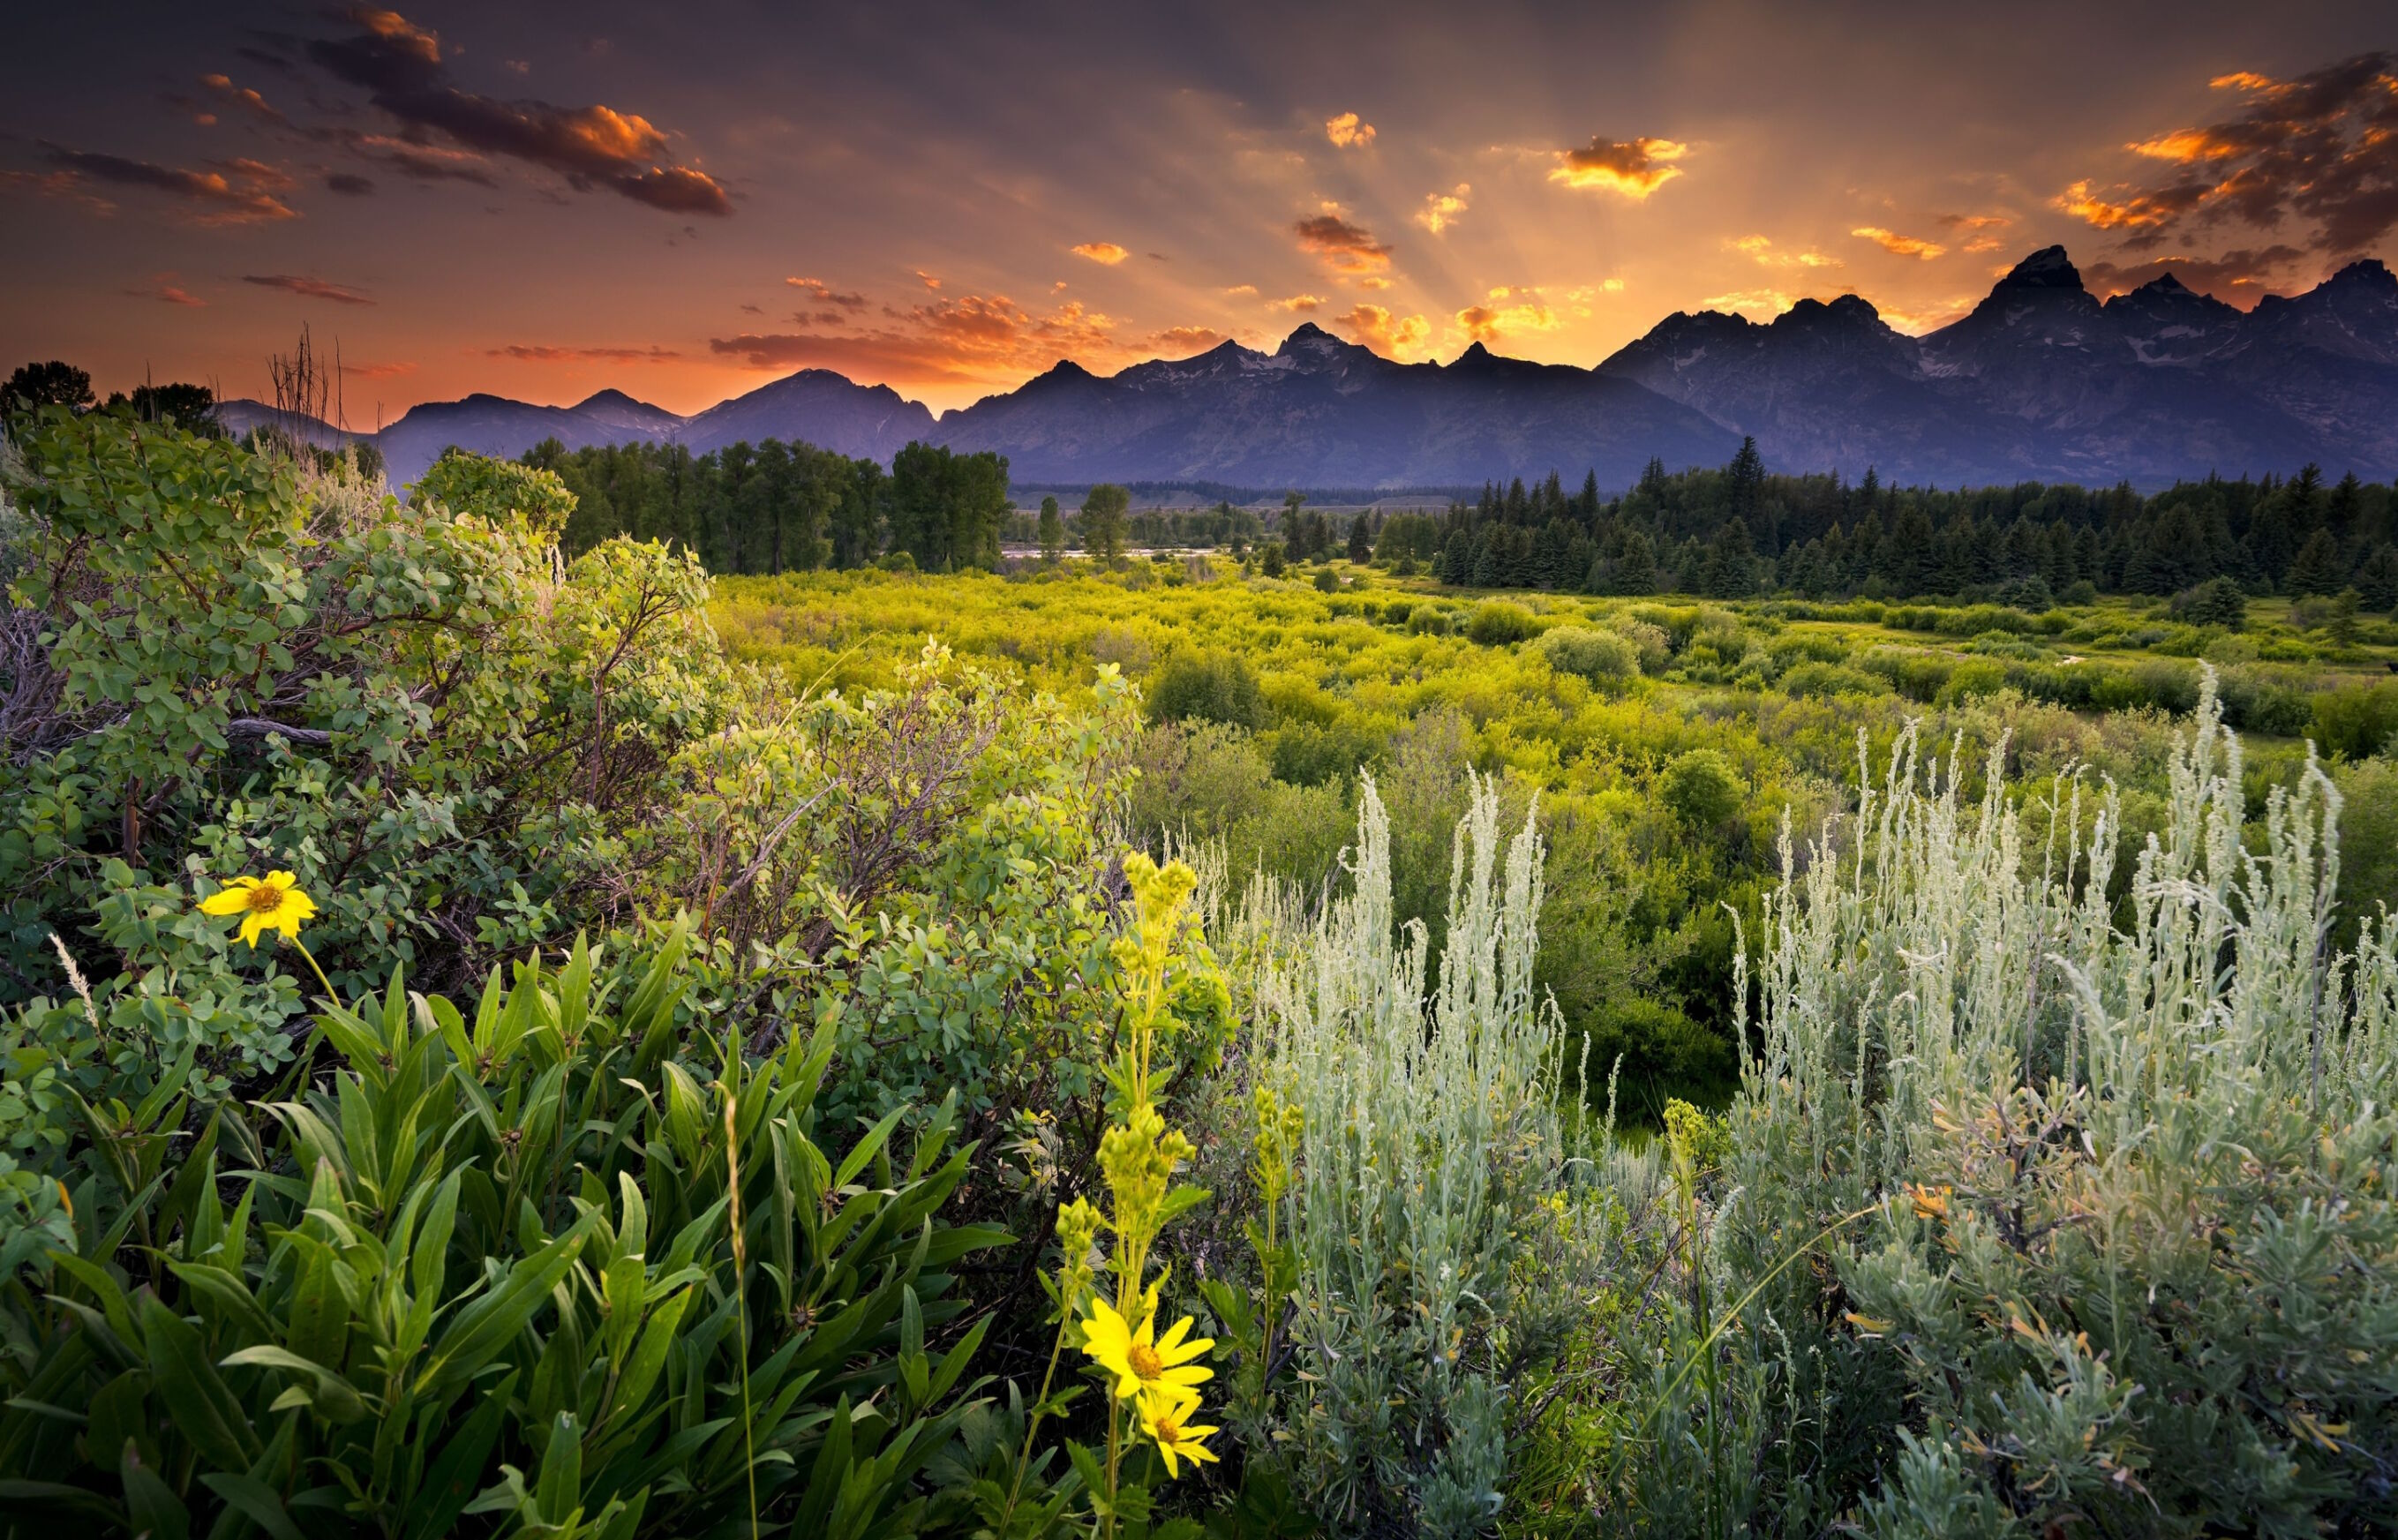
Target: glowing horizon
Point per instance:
(462, 200)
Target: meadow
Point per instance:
(508, 1033)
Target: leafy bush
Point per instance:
(1591, 655)
(1701, 788)
(1497, 624)
(1823, 680)
(2356, 720)
(220, 660)
(1196, 685)
(1648, 1052)
(1649, 642)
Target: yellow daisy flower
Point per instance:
(273, 902)
(1163, 1421)
(1141, 1364)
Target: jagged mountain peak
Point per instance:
(2047, 268)
(612, 397)
(2370, 273)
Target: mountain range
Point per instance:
(2041, 381)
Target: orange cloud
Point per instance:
(1107, 253)
(1347, 248)
(1441, 210)
(1760, 250)
(1181, 341)
(165, 288)
(2136, 211)
(2317, 147)
(1349, 131)
(1489, 322)
(379, 372)
(824, 293)
(242, 96)
(539, 354)
(401, 67)
(1898, 244)
(214, 198)
(2184, 145)
(973, 339)
(1389, 335)
(1771, 301)
(1298, 303)
(1242, 290)
(1634, 168)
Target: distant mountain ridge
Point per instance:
(2041, 381)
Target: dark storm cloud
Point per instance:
(2238, 276)
(538, 352)
(2321, 148)
(246, 197)
(399, 65)
(1346, 247)
(309, 288)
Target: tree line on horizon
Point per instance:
(1727, 533)
(1742, 530)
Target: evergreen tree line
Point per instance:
(1741, 530)
(776, 506)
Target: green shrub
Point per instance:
(1204, 685)
(1496, 623)
(236, 663)
(2356, 720)
(1649, 641)
(1825, 680)
(1594, 655)
(1307, 753)
(1700, 788)
(1650, 1052)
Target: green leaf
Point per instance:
(202, 1407)
(484, 1329)
(256, 1501)
(334, 1398)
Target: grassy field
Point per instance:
(1668, 752)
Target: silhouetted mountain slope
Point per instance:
(2041, 381)
(817, 406)
(1320, 411)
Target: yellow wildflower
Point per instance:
(1141, 1364)
(1163, 1421)
(273, 902)
(1930, 1202)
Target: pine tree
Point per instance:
(1361, 541)
(1486, 557)
(1636, 570)
(2317, 570)
(2376, 578)
(1744, 481)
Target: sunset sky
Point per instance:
(686, 201)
